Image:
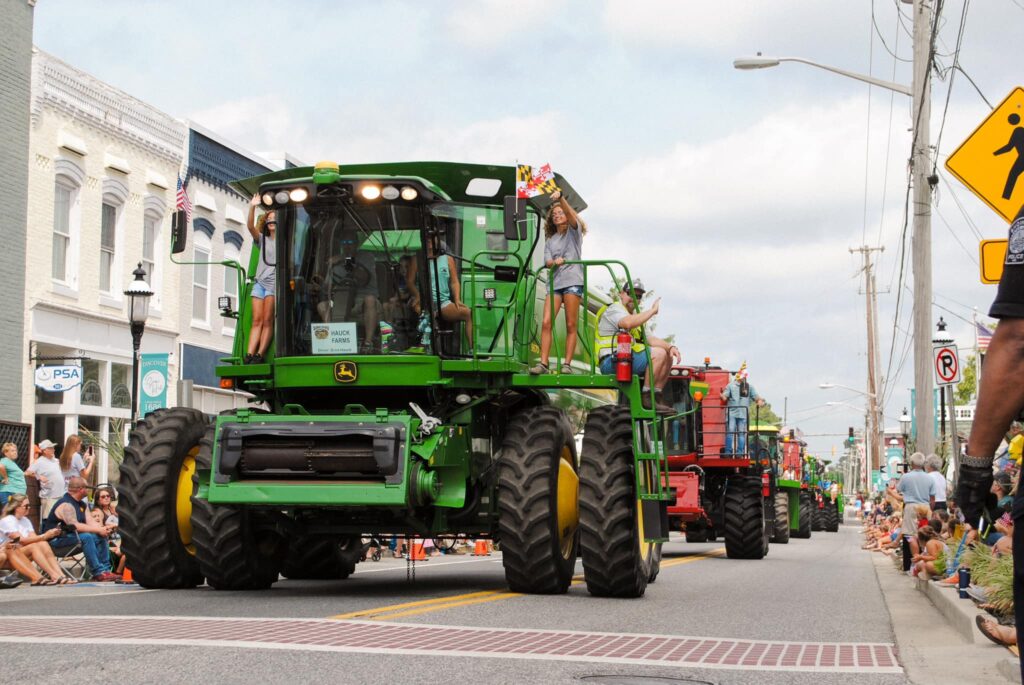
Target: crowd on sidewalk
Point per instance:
(78, 524)
(917, 522)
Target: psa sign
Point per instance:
(58, 378)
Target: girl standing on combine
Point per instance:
(263, 289)
(563, 242)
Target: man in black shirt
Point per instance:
(1000, 399)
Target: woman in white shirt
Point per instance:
(16, 530)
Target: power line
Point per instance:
(878, 31)
(888, 139)
(960, 206)
(945, 223)
(952, 77)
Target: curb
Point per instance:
(959, 612)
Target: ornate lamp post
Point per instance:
(138, 294)
(905, 429)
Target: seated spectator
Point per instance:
(16, 530)
(1000, 634)
(13, 559)
(931, 560)
(71, 510)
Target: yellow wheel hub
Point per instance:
(183, 500)
(568, 502)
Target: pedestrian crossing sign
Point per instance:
(991, 161)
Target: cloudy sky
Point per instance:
(736, 194)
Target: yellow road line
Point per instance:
(424, 606)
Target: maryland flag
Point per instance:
(742, 373)
(531, 182)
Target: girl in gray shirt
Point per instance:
(563, 233)
(264, 289)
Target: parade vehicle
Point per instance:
(827, 505)
(374, 416)
(793, 494)
(718, 492)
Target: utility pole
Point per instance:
(921, 242)
(872, 429)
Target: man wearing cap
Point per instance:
(737, 396)
(72, 511)
(915, 488)
(46, 470)
(622, 315)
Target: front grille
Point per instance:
(330, 451)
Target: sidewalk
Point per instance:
(935, 632)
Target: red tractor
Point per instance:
(723, 487)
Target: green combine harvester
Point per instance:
(372, 415)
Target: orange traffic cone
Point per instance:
(126, 577)
(480, 549)
(417, 552)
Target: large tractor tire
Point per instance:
(831, 517)
(817, 516)
(237, 549)
(803, 529)
(746, 530)
(781, 533)
(155, 498)
(538, 510)
(320, 558)
(616, 560)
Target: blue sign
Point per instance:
(152, 383)
(58, 378)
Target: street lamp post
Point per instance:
(923, 180)
(905, 429)
(138, 294)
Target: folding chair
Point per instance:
(71, 556)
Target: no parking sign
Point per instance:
(946, 364)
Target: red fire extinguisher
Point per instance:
(623, 356)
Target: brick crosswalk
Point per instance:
(384, 638)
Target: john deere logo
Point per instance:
(346, 372)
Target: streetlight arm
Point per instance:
(765, 62)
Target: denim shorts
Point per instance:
(639, 364)
(576, 290)
(259, 292)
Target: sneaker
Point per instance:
(566, 370)
(540, 368)
(248, 359)
(106, 577)
(257, 358)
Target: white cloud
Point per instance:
(491, 24)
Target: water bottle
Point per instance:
(963, 582)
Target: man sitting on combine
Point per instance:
(623, 315)
(350, 289)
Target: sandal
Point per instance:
(64, 580)
(566, 370)
(540, 368)
(44, 581)
(991, 630)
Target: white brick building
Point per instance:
(102, 177)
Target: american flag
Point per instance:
(984, 336)
(184, 204)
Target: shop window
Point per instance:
(49, 427)
(62, 198)
(120, 390)
(108, 243)
(92, 390)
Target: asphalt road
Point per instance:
(378, 625)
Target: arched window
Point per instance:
(115, 195)
(154, 211)
(67, 221)
(201, 251)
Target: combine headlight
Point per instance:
(281, 197)
(370, 192)
(389, 193)
(409, 193)
(298, 194)
(268, 199)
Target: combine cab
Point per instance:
(794, 500)
(375, 416)
(717, 492)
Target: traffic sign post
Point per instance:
(946, 364)
(991, 161)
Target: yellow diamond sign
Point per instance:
(991, 161)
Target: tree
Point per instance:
(764, 415)
(967, 388)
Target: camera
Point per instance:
(66, 528)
